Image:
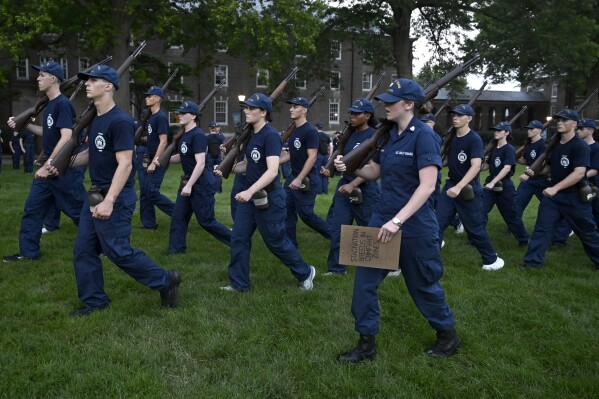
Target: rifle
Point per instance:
(347, 132)
(446, 104)
(539, 164)
(28, 116)
(227, 164)
(165, 158)
(64, 158)
(139, 133)
(291, 126)
(451, 132)
(493, 143)
(77, 90)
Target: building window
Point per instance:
(220, 111)
(300, 79)
(65, 66)
(335, 81)
(554, 90)
(23, 69)
(367, 56)
(333, 113)
(336, 50)
(393, 77)
(221, 72)
(262, 76)
(173, 118)
(366, 81)
(83, 63)
(553, 109)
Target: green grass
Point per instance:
(525, 334)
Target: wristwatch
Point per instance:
(396, 221)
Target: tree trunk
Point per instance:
(402, 43)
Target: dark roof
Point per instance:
(496, 96)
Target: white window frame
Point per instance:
(221, 117)
(63, 62)
(300, 81)
(23, 66)
(554, 88)
(83, 63)
(221, 68)
(338, 73)
(336, 51)
(366, 81)
(262, 72)
(334, 116)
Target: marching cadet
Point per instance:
(153, 174)
(16, 150)
(462, 192)
(215, 140)
(65, 191)
(535, 185)
(502, 163)
(106, 214)
(303, 148)
(568, 163)
(262, 202)
(325, 149)
(27, 144)
(407, 165)
(198, 184)
(586, 128)
(345, 208)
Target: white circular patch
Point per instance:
(533, 154)
(255, 155)
(49, 120)
(184, 148)
(497, 162)
(297, 143)
(100, 143)
(462, 157)
(149, 129)
(564, 161)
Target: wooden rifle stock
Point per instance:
(165, 158)
(63, 159)
(227, 164)
(28, 116)
(289, 129)
(348, 130)
(139, 133)
(359, 156)
(432, 90)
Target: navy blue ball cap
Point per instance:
(361, 105)
(535, 124)
(567, 113)
(154, 90)
(303, 101)
(51, 67)
(502, 126)
(463, 109)
(213, 124)
(402, 89)
(319, 125)
(259, 100)
(105, 72)
(188, 107)
(428, 118)
(587, 122)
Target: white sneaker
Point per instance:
(459, 229)
(308, 284)
(45, 230)
(571, 233)
(498, 264)
(395, 273)
(442, 243)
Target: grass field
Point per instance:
(526, 334)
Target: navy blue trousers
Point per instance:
(153, 197)
(506, 204)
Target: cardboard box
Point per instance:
(360, 247)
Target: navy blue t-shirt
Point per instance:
(506, 155)
(262, 144)
(401, 160)
(28, 137)
(110, 133)
(191, 143)
(58, 114)
(157, 124)
(354, 140)
(461, 152)
(533, 150)
(302, 139)
(594, 162)
(565, 157)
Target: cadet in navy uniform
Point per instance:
(530, 186)
(196, 194)
(261, 167)
(215, 140)
(464, 160)
(27, 144)
(157, 134)
(568, 163)
(58, 119)
(325, 148)
(303, 148)
(15, 148)
(344, 211)
(106, 226)
(407, 165)
(586, 129)
(502, 163)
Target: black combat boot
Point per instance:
(366, 350)
(447, 344)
